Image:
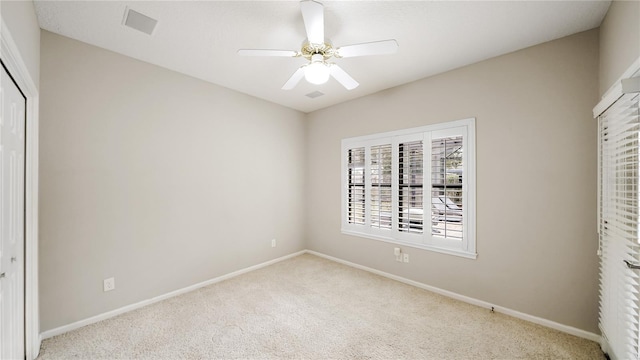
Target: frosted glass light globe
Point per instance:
(317, 72)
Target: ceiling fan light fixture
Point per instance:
(317, 72)
(319, 50)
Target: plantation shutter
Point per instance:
(388, 192)
(380, 198)
(619, 128)
(356, 183)
(410, 186)
(447, 170)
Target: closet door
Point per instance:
(619, 135)
(12, 151)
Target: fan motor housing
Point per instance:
(325, 49)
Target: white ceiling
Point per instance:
(200, 38)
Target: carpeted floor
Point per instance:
(311, 308)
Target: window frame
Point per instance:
(425, 240)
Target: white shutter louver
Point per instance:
(619, 129)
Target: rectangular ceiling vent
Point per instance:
(140, 22)
(314, 94)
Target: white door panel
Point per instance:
(12, 152)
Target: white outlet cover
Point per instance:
(406, 258)
(109, 284)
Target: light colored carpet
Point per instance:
(312, 308)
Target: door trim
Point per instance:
(17, 68)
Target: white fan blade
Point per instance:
(313, 16)
(372, 48)
(294, 79)
(342, 77)
(265, 52)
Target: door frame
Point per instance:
(16, 66)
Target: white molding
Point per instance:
(94, 319)
(534, 319)
(10, 55)
(615, 91)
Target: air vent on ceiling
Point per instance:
(140, 22)
(314, 94)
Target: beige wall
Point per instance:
(619, 41)
(536, 178)
(155, 178)
(20, 18)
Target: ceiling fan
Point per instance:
(318, 50)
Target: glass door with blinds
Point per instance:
(619, 150)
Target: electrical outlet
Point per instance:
(405, 257)
(109, 284)
(273, 242)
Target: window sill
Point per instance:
(439, 249)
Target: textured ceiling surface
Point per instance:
(200, 38)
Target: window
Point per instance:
(413, 187)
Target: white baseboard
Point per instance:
(94, 319)
(534, 319)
